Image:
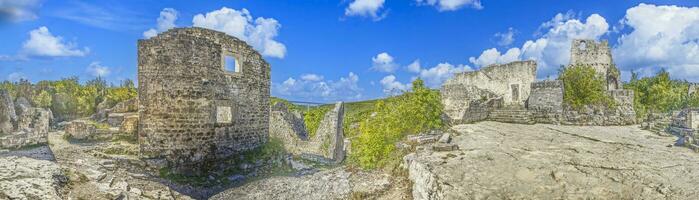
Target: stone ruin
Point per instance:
(327, 144)
(203, 95)
(21, 124)
(510, 93)
(684, 123)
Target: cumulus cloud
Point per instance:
(414, 67)
(552, 49)
(42, 43)
(660, 36)
(366, 8)
(260, 33)
(346, 88)
(18, 10)
(435, 76)
(393, 87)
(166, 21)
(311, 77)
(451, 5)
(97, 70)
(506, 38)
(383, 62)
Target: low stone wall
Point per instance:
(328, 141)
(21, 124)
(80, 129)
(546, 105)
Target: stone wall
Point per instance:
(465, 104)
(192, 109)
(598, 55)
(511, 80)
(328, 141)
(505, 85)
(21, 124)
(545, 109)
(546, 101)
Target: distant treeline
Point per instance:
(68, 98)
(660, 94)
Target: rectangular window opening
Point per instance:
(231, 64)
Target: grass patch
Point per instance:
(312, 118)
(272, 150)
(129, 138)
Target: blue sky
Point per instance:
(325, 51)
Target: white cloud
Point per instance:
(383, 62)
(393, 87)
(42, 43)
(260, 33)
(435, 76)
(660, 36)
(311, 77)
(18, 10)
(553, 48)
(506, 38)
(97, 70)
(451, 5)
(346, 88)
(166, 21)
(366, 8)
(415, 66)
(16, 76)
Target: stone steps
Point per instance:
(511, 116)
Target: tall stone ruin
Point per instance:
(510, 93)
(203, 95)
(597, 55)
(21, 124)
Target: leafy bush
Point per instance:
(394, 118)
(582, 86)
(659, 94)
(312, 118)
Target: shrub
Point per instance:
(394, 118)
(659, 93)
(582, 86)
(312, 118)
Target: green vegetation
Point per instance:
(272, 150)
(582, 87)
(67, 98)
(312, 118)
(394, 118)
(660, 94)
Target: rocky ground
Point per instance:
(511, 161)
(337, 183)
(487, 160)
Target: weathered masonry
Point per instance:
(510, 93)
(203, 95)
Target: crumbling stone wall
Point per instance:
(598, 55)
(508, 83)
(685, 125)
(192, 110)
(328, 141)
(21, 124)
(546, 101)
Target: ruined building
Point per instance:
(468, 95)
(21, 124)
(598, 56)
(510, 93)
(203, 95)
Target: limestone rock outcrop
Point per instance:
(21, 124)
(27, 178)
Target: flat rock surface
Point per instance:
(512, 161)
(29, 178)
(336, 183)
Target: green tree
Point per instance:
(43, 99)
(582, 86)
(413, 112)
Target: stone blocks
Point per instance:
(194, 111)
(80, 129)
